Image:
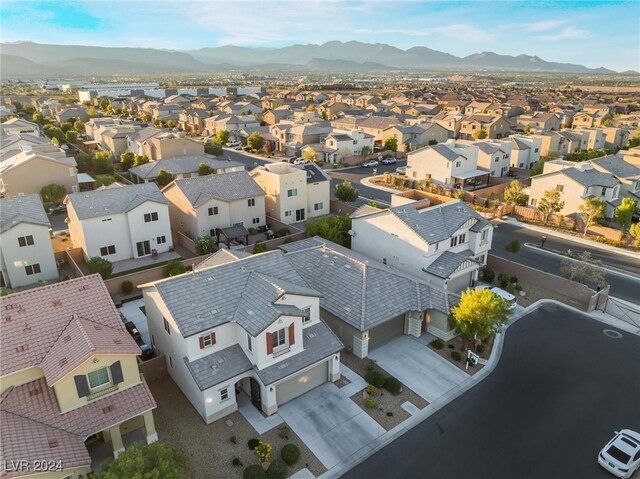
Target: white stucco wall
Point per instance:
(14, 258)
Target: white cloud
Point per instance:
(568, 33)
(544, 25)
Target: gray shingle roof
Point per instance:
(314, 173)
(215, 368)
(222, 256)
(22, 209)
(617, 166)
(319, 342)
(226, 187)
(180, 165)
(109, 201)
(447, 263)
(437, 223)
(446, 152)
(590, 177)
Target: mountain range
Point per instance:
(28, 59)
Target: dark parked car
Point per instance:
(147, 351)
(133, 331)
(635, 218)
(58, 209)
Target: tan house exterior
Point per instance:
(170, 145)
(416, 136)
(590, 119)
(495, 126)
(540, 121)
(615, 138)
(28, 171)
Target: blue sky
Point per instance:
(592, 33)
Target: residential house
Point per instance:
(13, 143)
(593, 138)
(585, 119)
(70, 380)
(276, 115)
(136, 139)
(625, 172)
(573, 141)
(26, 253)
(18, 125)
(241, 108)
(525, 151)
(412, 137)
(231, 123)
(182, 167)
(495, 126)
(494, 156)
(76, 113)
(330, 109)
(203, 205)
(551, 142)
(615, 138)
(121, 222)
(364, 101)
(292, 137)
(114, 139)
(170, 145)
(540, 121)
(192, 120)
(481, 107)
(340, 144)
(166, 112)
(293, 194)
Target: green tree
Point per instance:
(391, 144)
(213, 148)
(346, 192)
(538, 166)
(53, 192)
(53, 131)
(66, 126)
(549, 204)
(140, 160)
(71, 136)
(513, 246)
(584, 269)
(37, 118)
(163, 178)
(259, 247)
(480, 134)
(79, 126)
(171, 124)
(204, 244)
(55, 141)
(104, 104)
(155, 461)
(99, 265)
(310, 154)
(527, 129)
(365, 151)
(205, 170)
(634, 230)
(126, 160)
(255, 141)
(333, 228)
(104, 180)
(83, 161)
(624, 212)
(222, 137)
(591, 211)
(101, 163)
(633, 142)
(479, 314)
(607, 122)
(514, 194)
(174, 267)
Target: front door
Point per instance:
(144, 248)
(256, 400)
(300, 214)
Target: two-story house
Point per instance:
(593, 138)
(340, 144)
(70, 380)
(26, 253)
(136, 139)
(170, 145)
(626, 173)
(494, 156)
(495, 125)
(182, 167)
(539, 120)
(525, 151)
(120, 222)
(293, 194)
(412, 137)
(18, 125)
(443, 244)
(202, 205)
(451, 120)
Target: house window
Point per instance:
(560, 188)
(536, 150)
(604, 191)
(166, 326)
(255, 221)
(106, 219)
(292, 192)
(25, 241)
(161, 239)
(454, 241)
(287, 213)
(483, 235)
(318, 206)
(148, 217)
(249, 347)
(251, 202)
(32, 269)
(533, 201)
(170, 362)
(107, 250)
(279, 338)
(224, 394)
(72, 172)
(213, 210)
(437, 246)
(98, 378)
(207, 340)
(458, 163)
(497, 159)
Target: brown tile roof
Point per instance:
(33, 320)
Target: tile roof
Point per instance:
(445, 151)
(180, 165)
(590, 177)
(447, 263)
(217, 367)
(314, 173)
(226, 187)
(22, 209)
(25, 156)
(33, 320)
(617, 166)
(222, 256)
(109, 201)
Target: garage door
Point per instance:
(458, 285)
(301, 383)
(386, 331)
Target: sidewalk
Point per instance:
(367, 182)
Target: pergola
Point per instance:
(231, 233)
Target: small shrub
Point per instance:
(389, 414)
(236, 462)
(174, 267)
(371, 365)
(503, 280)
(126, 287)
(259, 247)
(290, 454)
(233, 440)
(574, 225)
(455, 355)
(370, 403)
(277, 470)
(288, 240)
(371, 390)
(392, 385)
(513, 246)
(253, 443)
(283, 432)
(375, 378)
(560, 220)
(281, 232)
(517, 287)
(254, 471)
(437, 344)
(487, 274)
(480, 348)
(450, 346)
(263, 451)
(513, 279)
(252, 231)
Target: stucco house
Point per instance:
(70, 379)
(293, 194)
(412, 137)
(525, 151)
(626, 173)
(494, 156)
(120, 222)
(18, 125)
(26, 253)
(539, 120)
(202, 205)
(495, 125)
(182, 167)
(170, 145)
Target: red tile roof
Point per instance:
(33, 320)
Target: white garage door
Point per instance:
(459, 284)
(386, 331)
(301, 383)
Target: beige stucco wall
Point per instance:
(174, 147)
(20, 377)
(32, 175)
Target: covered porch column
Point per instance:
(150, 427)
(361, 345)
(116, 440)
(269, 402)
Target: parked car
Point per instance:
(370, 163)
(133, 331)
(147, 351)
(621, 455)
(298, 161)
(401, 170)
(233, 144)
(58, 209)
(508, 297)
(389, 160)
(635, 218)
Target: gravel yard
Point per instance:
(457, 344)
(209, 448)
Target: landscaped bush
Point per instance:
(480, 348)
(372, 390)
(174, 267)
(503, 280)
(253, 443)
(277, 469)
(437, 344)
(375, 378)
(290, 454)
(514, 279)
(288, 240)
(252, 231)
(126, 287)
(281, 232)
(455, 355)
(370, 403)
(254, 471)
(236, 462)
(487, 274)
(392, 385)
(513, 246)
(233, 440)
(450, 346)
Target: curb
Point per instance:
(366, 181)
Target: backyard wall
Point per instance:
(154, 368)
(340, 208)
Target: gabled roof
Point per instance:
(24, 156)
(222, 256)
(446, 152)
(446, 264)
(22, 209)
(590, 177)
(617, 166)
(225, 187)
(180, 165)
(109, 201)
(314, 173)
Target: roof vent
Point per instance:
(117, 341)
(63, 362)
(35, 392)
(311, 335)
(53, 443)
(220, 360)
(67, 338)
(108, 409)
(56, 302)
(250, 312)
(7, 318)
(214, 367)
(22, 348)
(282, 365)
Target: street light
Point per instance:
(542, 240)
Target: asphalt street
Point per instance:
(560, 390)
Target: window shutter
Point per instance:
(201, 342)
(213, 338)
(292, 335)
(269, 343)
(82, 385)
(116, 373)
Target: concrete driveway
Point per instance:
(415, 365)
(330, 424)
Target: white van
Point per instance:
(508, 297)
